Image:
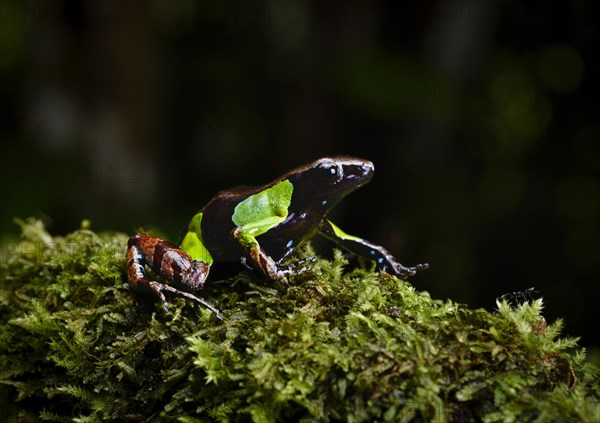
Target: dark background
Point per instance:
(477, 114)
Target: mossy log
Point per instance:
(336, 344)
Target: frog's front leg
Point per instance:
(270, 267)
(382, 258)
(170, 262)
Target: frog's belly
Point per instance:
(275, 246)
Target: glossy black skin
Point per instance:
(313, 184)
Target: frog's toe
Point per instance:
(311, 259)
(406, 272)
(303, 265)
(158, 289)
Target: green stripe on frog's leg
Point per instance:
(339, 234)
(356, 245)
(382, 258)
(193, 243)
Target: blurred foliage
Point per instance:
(332, 346)
(479, 117)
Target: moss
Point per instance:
(334, 345)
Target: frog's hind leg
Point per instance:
(168, 261)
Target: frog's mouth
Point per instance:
(361, 172)
(354, 174)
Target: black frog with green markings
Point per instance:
(260, 227)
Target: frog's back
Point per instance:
(217, 224)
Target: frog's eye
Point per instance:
(330, 171)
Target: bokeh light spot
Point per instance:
(561, 68)
(512, 89)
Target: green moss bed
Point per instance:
(336, 344)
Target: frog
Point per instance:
(259, 227)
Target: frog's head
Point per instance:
(323, 183)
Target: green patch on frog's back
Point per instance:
(262, 211)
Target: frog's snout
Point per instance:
(367, 168)
(364, 172)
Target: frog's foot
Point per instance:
(300, 266)
(276, 271)
(406, 272)
(159, 289)
(295, 268)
